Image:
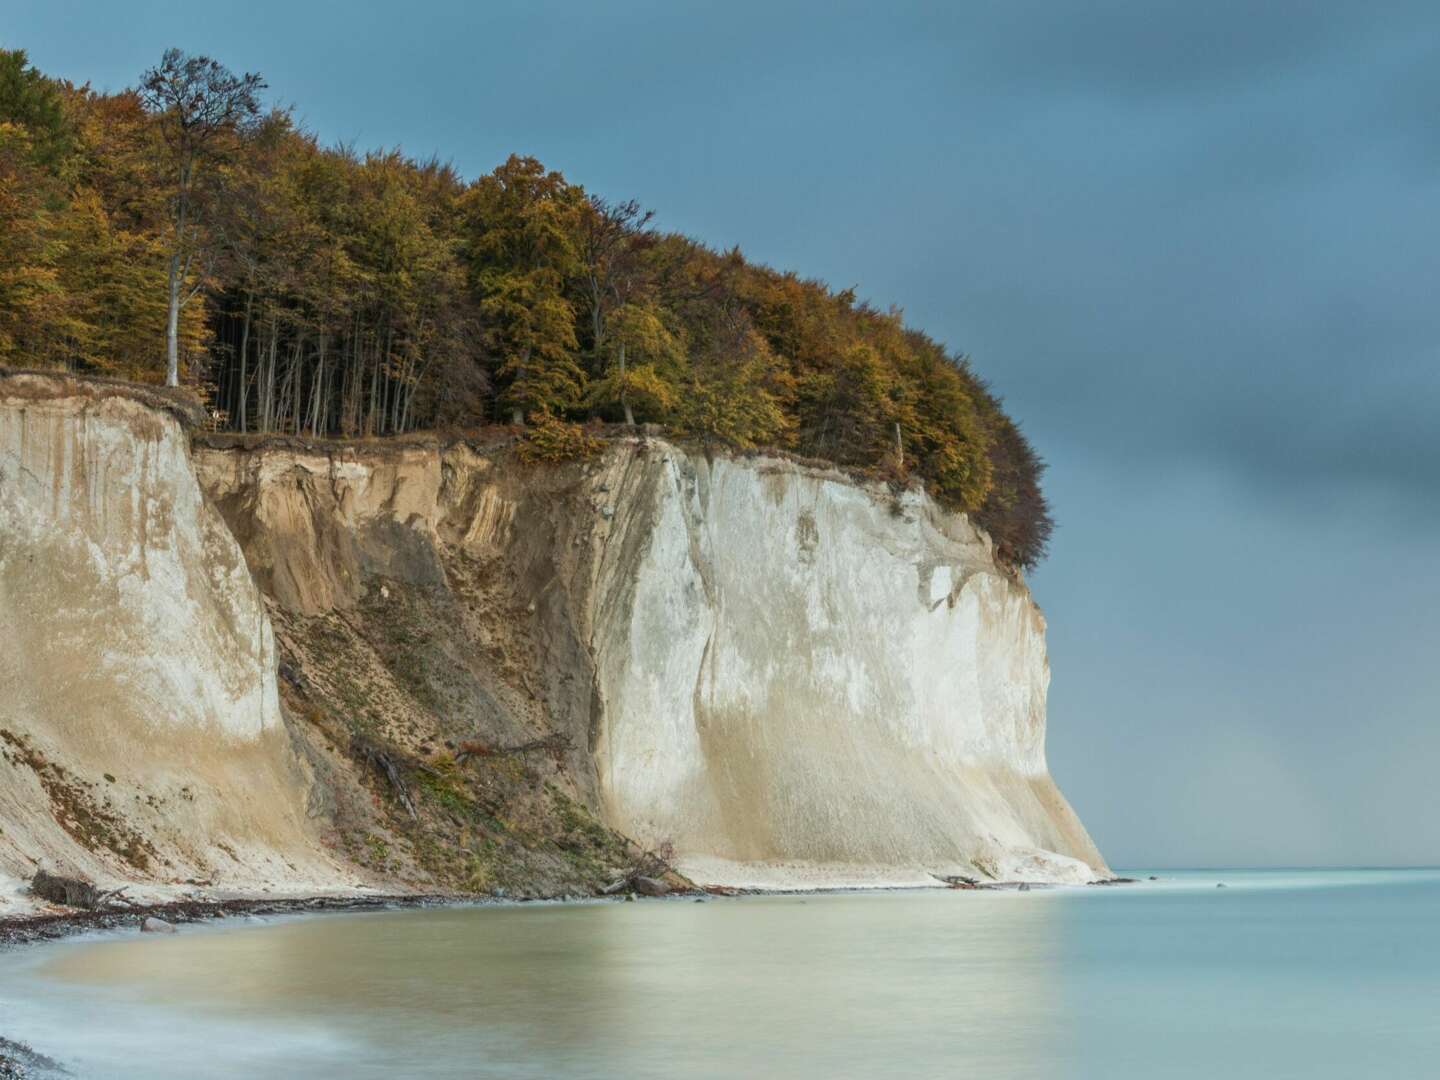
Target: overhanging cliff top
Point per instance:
(40, 385)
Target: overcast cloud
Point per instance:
(1196, 246)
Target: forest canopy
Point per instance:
(181, 231)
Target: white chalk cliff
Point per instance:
(793, 678)
(803, 680)
(140, 733)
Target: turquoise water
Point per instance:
(1305, 974)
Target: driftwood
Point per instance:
(646, 876)
(73, 892)
(959, 881)
(380, 759)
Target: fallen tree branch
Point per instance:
(379, 759)
(555, 743)
(74, 892)
(958, 881)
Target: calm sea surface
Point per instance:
(1305, 974)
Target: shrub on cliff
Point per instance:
(550, 440)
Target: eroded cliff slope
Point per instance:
(787, 677)
(447, 669)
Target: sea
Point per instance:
(1310, 974)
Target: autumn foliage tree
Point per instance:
(183, 229)
(522, 225)
(202, 112)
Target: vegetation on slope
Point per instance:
(178, 229)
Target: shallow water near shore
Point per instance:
(1311, 974)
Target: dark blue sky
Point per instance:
(1195, 245)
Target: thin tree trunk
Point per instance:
(374, 391)
(267, 401)
(293, 385)
(244, 357)
(172, 324)
(517, 412)
(624, 398)
(317, 388)
(174, 280)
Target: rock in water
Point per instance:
(153, 925)
(649, 886)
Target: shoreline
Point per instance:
(19, 930)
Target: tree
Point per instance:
(1015, 512)
(635, 356)
(643, 362)
(27, 272)
(31, 101)
(522, 224)
(847, 408)
(736, 388)
(352, 293)
(612, 239)
(202, 109)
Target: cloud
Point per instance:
(1195, 245)
(1207, 231)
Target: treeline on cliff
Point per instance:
(313, 289)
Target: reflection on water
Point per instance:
(1267, 978)
(764, 987)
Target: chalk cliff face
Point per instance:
(790, 678)
(140, 729)
(805, 680)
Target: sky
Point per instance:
(1195, 246)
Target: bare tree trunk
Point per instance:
(175, 279)
(347, 383)
(267, 399)
(517, 412)
(293, 385)
(370, 420)
(387, 386)
(244, 357)
(317, 387)
(172, 324)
